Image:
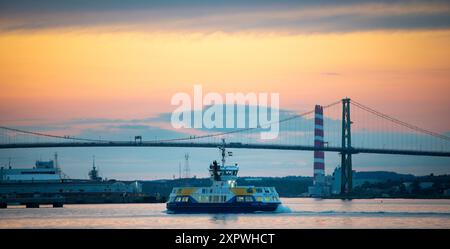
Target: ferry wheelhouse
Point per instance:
(223, 196)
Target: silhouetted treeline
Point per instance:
(289, 186)
(371, 185)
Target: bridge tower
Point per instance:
(346, 154)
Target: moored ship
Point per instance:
(46, 184)
(223, 196)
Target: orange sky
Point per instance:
(69, 74)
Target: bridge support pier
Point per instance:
(58, 205)
(346, 154)
(32, 205)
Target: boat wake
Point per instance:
(367, 213)
(283, 209)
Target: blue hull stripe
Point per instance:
(248, 207)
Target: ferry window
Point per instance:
(185, 199)
(240, 199)
(267, 198)
(249, 190)
(224, 198)
(266, 190)
(258, 190)
(248, 199)
(235, 172)
(259, 198)
(178, 199)
(203, 191)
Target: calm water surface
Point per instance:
(295, 213)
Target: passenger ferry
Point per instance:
(223, 196)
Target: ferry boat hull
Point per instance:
(224, 195)
(221, 207)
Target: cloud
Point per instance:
(225, 16)
(330, 74)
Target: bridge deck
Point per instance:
(228, 145)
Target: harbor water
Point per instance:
(295, 213)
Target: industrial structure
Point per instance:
(187, 170)
(93, 174)
(320, 187)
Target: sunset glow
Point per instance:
(95, 70)
(71, 74)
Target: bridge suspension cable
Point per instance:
(399, 122)
(220, 134)
(52, 136)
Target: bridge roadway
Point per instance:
(228, 145)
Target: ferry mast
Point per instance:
(222, 148)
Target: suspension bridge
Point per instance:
(349, 127)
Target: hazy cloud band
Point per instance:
(225, 16)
